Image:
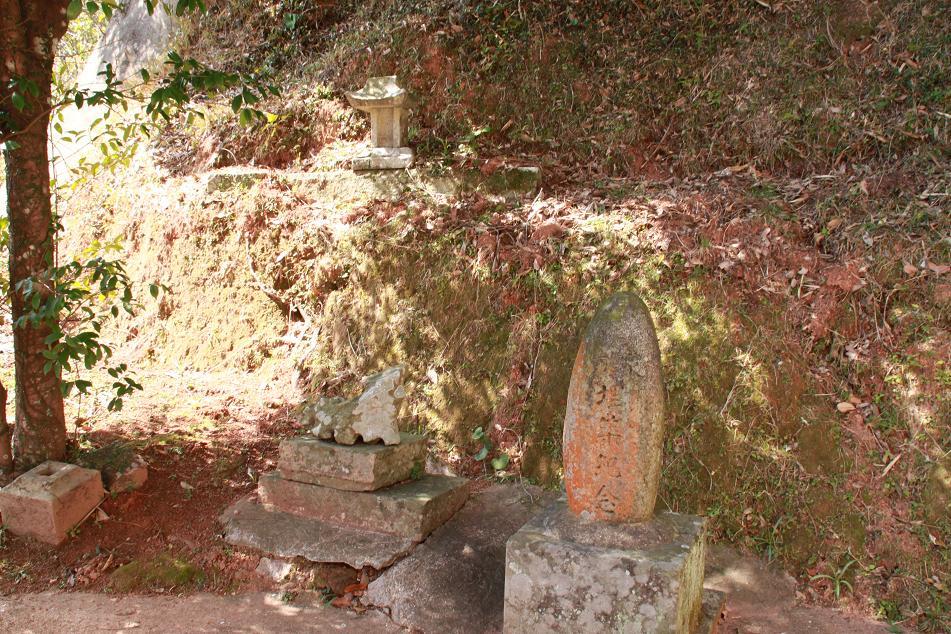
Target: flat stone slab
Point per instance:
(49, 500)
(384, 158)
(453, 582)
(249, 524)
(412, 509)
(359, 467)
(259, 613)
(565, 573)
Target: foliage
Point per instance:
(74, 299)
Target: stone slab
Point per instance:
(412, 509)
(248, 523)
(258, 613)
(712, 604)
(351, 467)
(49, 500)
(563, 573)
(453, 582)
(384, 158)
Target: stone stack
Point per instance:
(362, 504)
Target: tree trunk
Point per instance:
(29, 31)
(6, 450)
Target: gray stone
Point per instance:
(368, 417)
(383, 158)
(386, 104)
(247, 523)
(614, 421)
(351, 467)
(563, 573)
(274, 569)
(411, 510)
(46, 502)
(454, 581)
(132, 477)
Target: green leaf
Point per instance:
(478, 434)
(153, 290)
(236, 103)
(482, 454)
(74, 9)
(19, 102)
(500, 462)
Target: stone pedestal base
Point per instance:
(412, 509)
(47, 501)
(564, 574)
(384, 158)
(329, 525)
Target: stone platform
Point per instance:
(411, 509)
(360, 505)
(564, 573)
(247, 523)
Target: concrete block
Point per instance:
(412, 509)
(567, 574)
(357, 467)
(46, 502)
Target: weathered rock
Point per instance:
(614, 422)
(247, 523)
(454, 581)
(351, 467)
(120, 467)
(369, 417)
(49, 500)
(411, 510)
(274, 569)
(563, 573)
(132, 477)
(384, 158)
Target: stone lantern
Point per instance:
(386, 103)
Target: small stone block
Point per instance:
(566, 574)
(357, 467)
(49, 500)
(412, 509)
(131, 477)
(384, 158)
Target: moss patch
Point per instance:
(163, 572)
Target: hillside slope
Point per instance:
(772, 178)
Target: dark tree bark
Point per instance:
(6, 450)
(29, 31)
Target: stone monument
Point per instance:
(386, 104)
(340, 494)
(601, 560)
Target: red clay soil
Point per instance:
(174, 514)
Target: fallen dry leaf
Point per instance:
(845, 406)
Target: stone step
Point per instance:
(248, 523)
(357, 467)
(412, 509)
